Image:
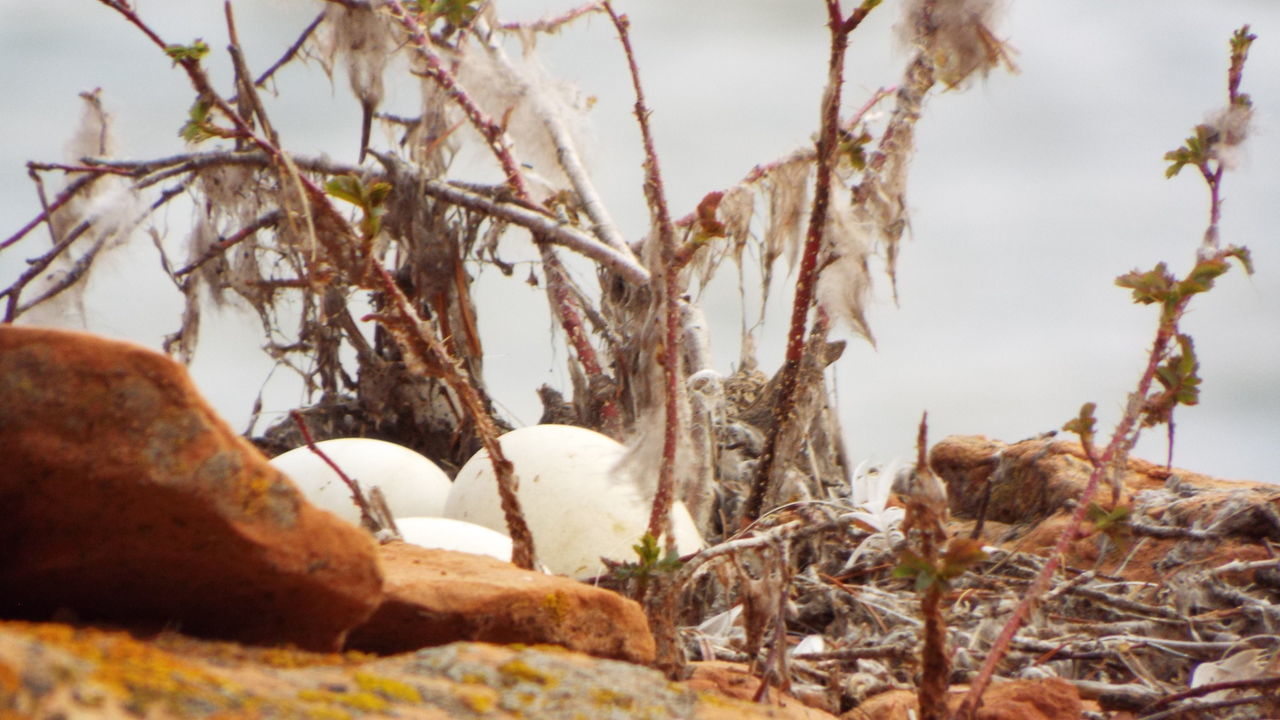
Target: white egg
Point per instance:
(411, 484)
(448, 534)
(577, 507)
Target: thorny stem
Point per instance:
(670, 352)
(67, 194)
(357, 495)
(1123, 438)
(808, 275)
(489, 128)
(571, 320)
(1207, 688)
(429, 349)
(566, 153)
(498, 143)
(806, 154)
(553, 23)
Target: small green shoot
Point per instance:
(1084, 425)
(454, 12)
(369, 198)
(651, 563)
(194, 52)
(1113, 524)
(961, 554)
(198, 127)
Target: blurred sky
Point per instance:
(1029, 194)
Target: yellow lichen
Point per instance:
(327, 713)
(522, 670)
(606, 696)
(480, 700)
(556, 605)
(142, 675)
(387, 687)
(361, 700)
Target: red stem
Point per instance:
(807, 278)
(488, 127)
(429, 348)
(357, 495)
(661, 218)
(1122, 440)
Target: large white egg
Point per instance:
(448, 534)
(578, 507)
(411, 484)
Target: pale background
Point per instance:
(1029, 194)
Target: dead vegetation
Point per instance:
(361, 276)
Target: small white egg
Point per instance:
(577, 507)
(411, 484)
(447, 534)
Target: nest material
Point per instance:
(1190, 578)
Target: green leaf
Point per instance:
(455, 12)
(961, 554)
(1105, 520)
(1195, 151)
(346, 187)
(1155, 285)
(912, 565)
(195, 51)
(1083, 424)
(197, 127)
(647, 550)
(1241, 40)
(1242, 254)
(1179, 375)
(852, 148)
(1201, 277)
(377, 193)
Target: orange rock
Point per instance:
(127, 499)
(435, 597)
(1032, 481)
(736, 681)
(1047, 699)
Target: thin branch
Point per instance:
(368, 517)
(1207, 688)
(290, 53)
(431, 352)
(804, 154)
(661, 220)
(268, 220)
(68, 193)
(528, 216)
(553, 23)
(807, 277)
(495, 137)
(566, 153)
(543, 226)
(248, 91)
(1203, 708)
